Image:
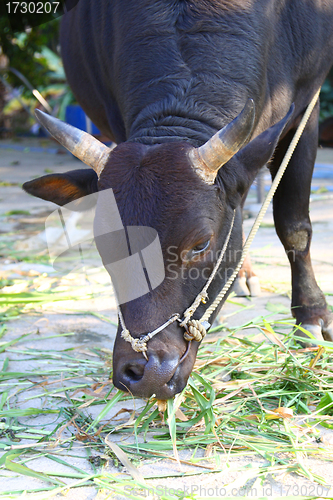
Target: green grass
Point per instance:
(7, 184)
(246, 399)
(17, 212)
(216, 415)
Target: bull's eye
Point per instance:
(201, 248)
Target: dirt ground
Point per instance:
(26, 159)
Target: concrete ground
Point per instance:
(19, 162)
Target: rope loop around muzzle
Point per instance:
(194, 329)
(197, 329)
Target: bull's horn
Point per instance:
(209, 158)
(82, 145)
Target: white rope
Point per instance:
(203, 295)
(196, 329)
(264, 207)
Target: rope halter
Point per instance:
(197, 329)
(194, 329)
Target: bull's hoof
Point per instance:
(328, 330)
(244, 287)
(254, 286)
(323, 330)
(240, 287)
(315, 330)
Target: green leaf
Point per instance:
(22, 469)
(117, 397)
(4, 397)
(172, 426)
(277, 308)
(9, 455)
(325, 406)
(25, 412)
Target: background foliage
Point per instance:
(31, 51)
(25, 51)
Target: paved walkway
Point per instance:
(20, 162)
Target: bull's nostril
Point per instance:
(134, 373)
(159, 376)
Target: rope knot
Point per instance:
(194, 331)
(125, 334)
(138, 345)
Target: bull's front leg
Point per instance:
(247, 283)
(293, 226)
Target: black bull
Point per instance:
(160, 78)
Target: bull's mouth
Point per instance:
(166, 391)
(174, 382)
(163, 378)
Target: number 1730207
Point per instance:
(32, 7)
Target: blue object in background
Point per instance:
(76, 116)
(323, 171)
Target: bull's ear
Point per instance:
(250, 159)
(64, 188)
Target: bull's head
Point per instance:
(188, 195)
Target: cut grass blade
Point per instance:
(117, 397)
(22, 469)
(137, 476)
(226, 410)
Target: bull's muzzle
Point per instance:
(164, 374)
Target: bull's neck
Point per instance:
(161, 122)
(171, 129)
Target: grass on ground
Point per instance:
(244, 399)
